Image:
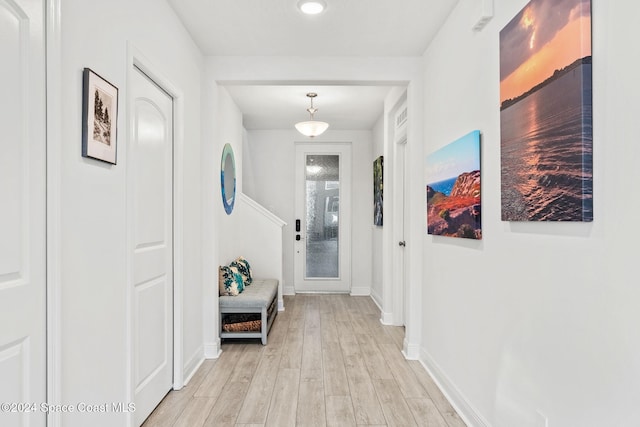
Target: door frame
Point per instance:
(345, 209)
(53, 76)
(136, 59)
(395, 295)
(400, 223)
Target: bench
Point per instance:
(261, 297)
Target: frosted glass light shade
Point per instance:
(312, 128)
(312, 7)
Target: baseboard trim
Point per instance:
(463, 407)
(288, 290)
(195, 359)
(360, 291)
(212, 350)
(377, 299)
(386, 319)
(191, 370)
(410, 351)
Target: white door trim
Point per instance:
(416, 224)
(54, 217)
(136, 59)
(399, 224)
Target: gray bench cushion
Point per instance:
(257, 295)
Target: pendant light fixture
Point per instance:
(312, 7)
(312, 127)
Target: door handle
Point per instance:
(402, 243)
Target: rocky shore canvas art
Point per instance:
(453, 189)
(546, 120)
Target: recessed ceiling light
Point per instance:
(312, 7)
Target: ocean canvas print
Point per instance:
(546, 113)
(453, 189)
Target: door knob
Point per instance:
(402, 243)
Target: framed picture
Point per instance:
(453, 189)
(377, 191)
(546, 114)
(99, 118)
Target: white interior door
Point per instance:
(150, 183)
(400, 215)
(400, 259)
(322, 258)
(22, 213)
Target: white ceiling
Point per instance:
(280, 107)
(347, 28)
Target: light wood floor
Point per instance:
(328, 362)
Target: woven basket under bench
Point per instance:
(251, 313)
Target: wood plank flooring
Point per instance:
(328, 362)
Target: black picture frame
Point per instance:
(99, 118)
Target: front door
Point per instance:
(22, 214)
(322, 258)
(150, 183)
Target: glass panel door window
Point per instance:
(322, 201)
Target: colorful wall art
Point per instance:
(453, 189)
(228, 178)
(546, 113)
(377, 191)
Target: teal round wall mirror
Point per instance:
(228, 178)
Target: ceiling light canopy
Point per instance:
(312, 127)
(312, 7)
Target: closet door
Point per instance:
(150, 189)
(22, 214)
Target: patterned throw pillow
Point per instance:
(229, 281)
(244, 269)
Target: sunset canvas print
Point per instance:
(546, 113)
(453, 189)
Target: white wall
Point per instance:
(94, 342)
(231, 133)
(377, 149)
(270, 179)
(228, 123)
(223, 125)
(537, 319)
(255, 234)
